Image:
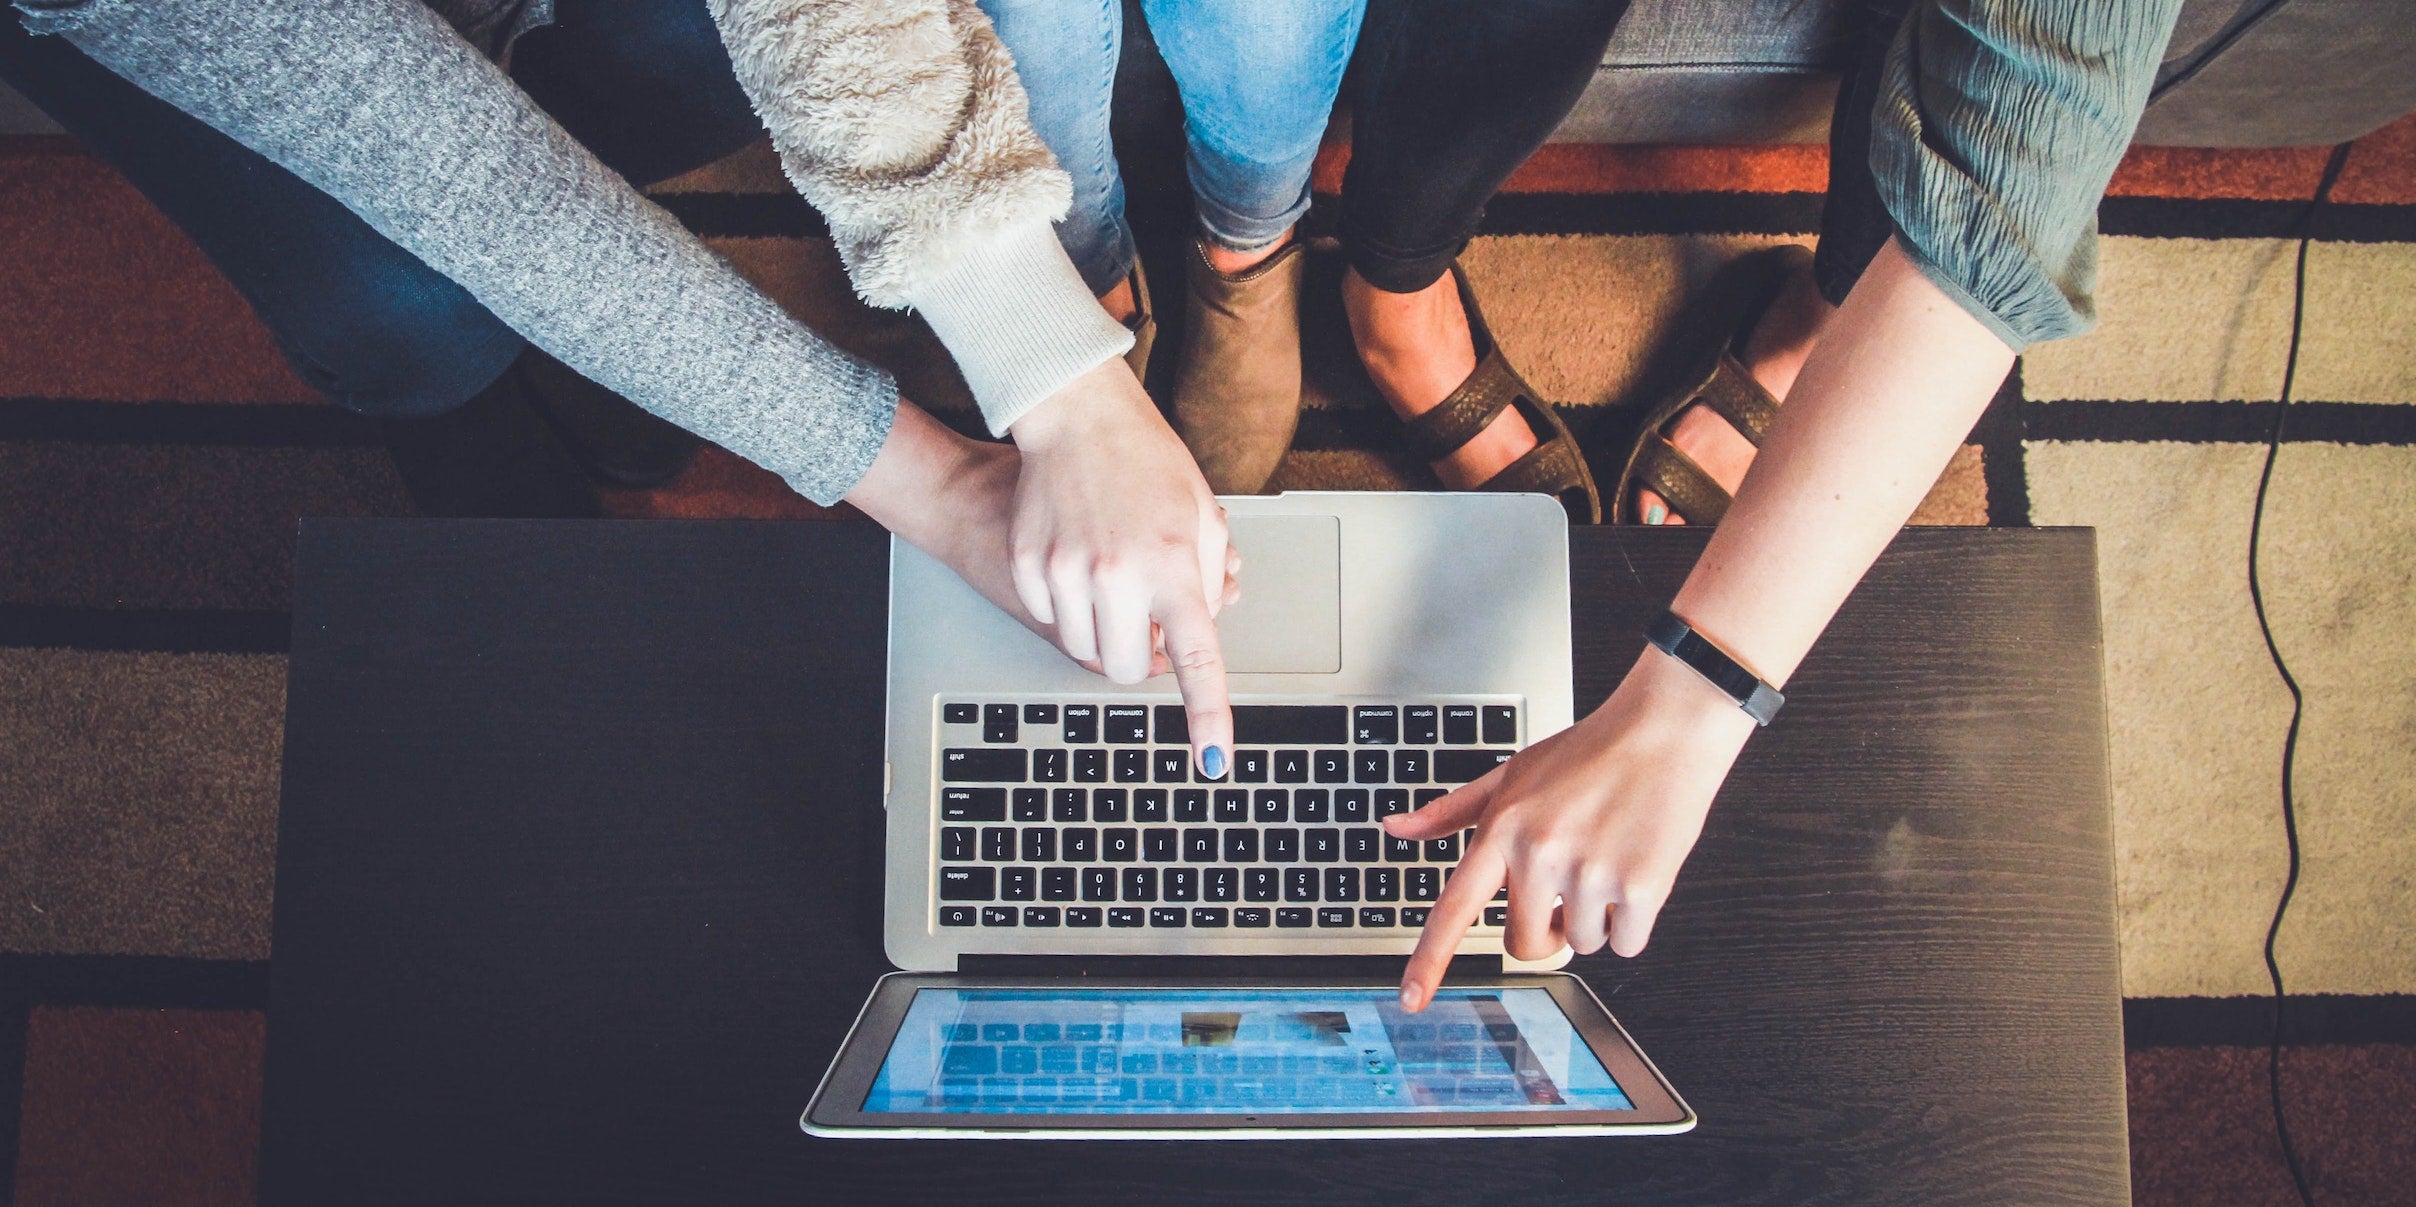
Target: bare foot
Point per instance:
(1417, 349)
(1774, 353)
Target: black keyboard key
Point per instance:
(1375, 725)
(956, 842)
(1119, 844)
(1172, 724)
(1090, 766)
(1371, 767)
(1208, 915)
(1461, 766)
(1270, 805)
(1282, 844)
(1181, 884)
(1250, 917)
(1375, 915)
(1170, 766)
(1390, 801)
(1078, 844)
(973, 804)
(1168, 915)
(1259, 884)
(1140, 884)
(1191, 805)
(1031, 804)
(1425, 884)
(1497, 915)
(1413, 915)
(1292, 916)
(1124, 916)
(1040, 915)
(1222, 884)
(1300, 884)
(1056, 884)
(1250, 766)
(1335, 915)
(1200, 845)
(1321, 844)
(956, 915)
(1384, 884)
(1264, 724)
(1232, 806)
(1040, 714)
(1158, 844)
(1311, 805)
(1108, 804)
(1126, 725)
(1427, 796)
(1410, 767)
(1241, 846)
(1443, 850)
(983, 765)
(1360, 844)
(1098, 884)
(1048, 766)
(1149, 804)
(1332, 766)
(1081, 724)
(960, 714)
(999, 915)
(1132, 766)
(1459, 724)
(998, 723)
(968, 884)
(1400, 850)
(1501, 725)
(1342, 884)
(1418, 725)
(1018, 884)
(998, 843)
(1350, 804)
(1070, 804)
(1291, 766)
(1082, 915)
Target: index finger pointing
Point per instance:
(1480, 872)
(1199, 672)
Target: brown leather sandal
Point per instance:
(1555, 466)
(1722, 383)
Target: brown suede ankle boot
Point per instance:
(1237, 388)
(1144, 326)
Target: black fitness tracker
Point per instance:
(1676, 638)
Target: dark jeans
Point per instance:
(1448, 97)
(645, 84)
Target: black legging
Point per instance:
(1448, 97)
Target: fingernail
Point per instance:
(1655, 514)
(1409, 997)
(1212, 762)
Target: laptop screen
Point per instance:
(1234, 1051)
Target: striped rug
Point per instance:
(155, 452)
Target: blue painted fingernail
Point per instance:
(1212, 762)
(1655, 514)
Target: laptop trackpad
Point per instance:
(1289, 620)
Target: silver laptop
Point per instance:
(1387, 648)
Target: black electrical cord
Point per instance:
(2290, 742)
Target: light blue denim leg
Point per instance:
(1258, 79)
(1065, 52)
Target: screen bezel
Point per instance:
(836, 1107)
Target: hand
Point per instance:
(1118, 543)
(1597, 818)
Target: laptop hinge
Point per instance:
(1289, 968)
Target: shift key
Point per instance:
(1460, 766)
(978, 765)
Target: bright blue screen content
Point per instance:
(1236, 1051)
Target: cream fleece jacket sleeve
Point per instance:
(904, 123)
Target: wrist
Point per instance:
(1671, 691)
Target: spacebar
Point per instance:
(1255, 724)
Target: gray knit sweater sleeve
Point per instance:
(1998, 125)
(384, 107)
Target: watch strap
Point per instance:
(1673, 636)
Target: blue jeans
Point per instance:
(1257, 77)
(645, 84)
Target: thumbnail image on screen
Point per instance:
(1235, 1051)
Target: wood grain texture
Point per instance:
(578, 886)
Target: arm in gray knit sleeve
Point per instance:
(1998, 125)
(388, 110)
(904, 123)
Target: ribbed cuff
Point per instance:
(1019, 321)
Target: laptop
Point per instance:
(1387, 648)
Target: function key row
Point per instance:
(1204, 917)
(1136, 765)
(1253, 724)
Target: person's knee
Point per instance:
(406, 353)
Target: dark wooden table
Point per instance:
(578, 873)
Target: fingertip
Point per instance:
(1413, 996)
(1212, 762)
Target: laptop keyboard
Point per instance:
(1089, 815)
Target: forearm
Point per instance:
(1900, 376)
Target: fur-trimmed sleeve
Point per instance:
(904, 123)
